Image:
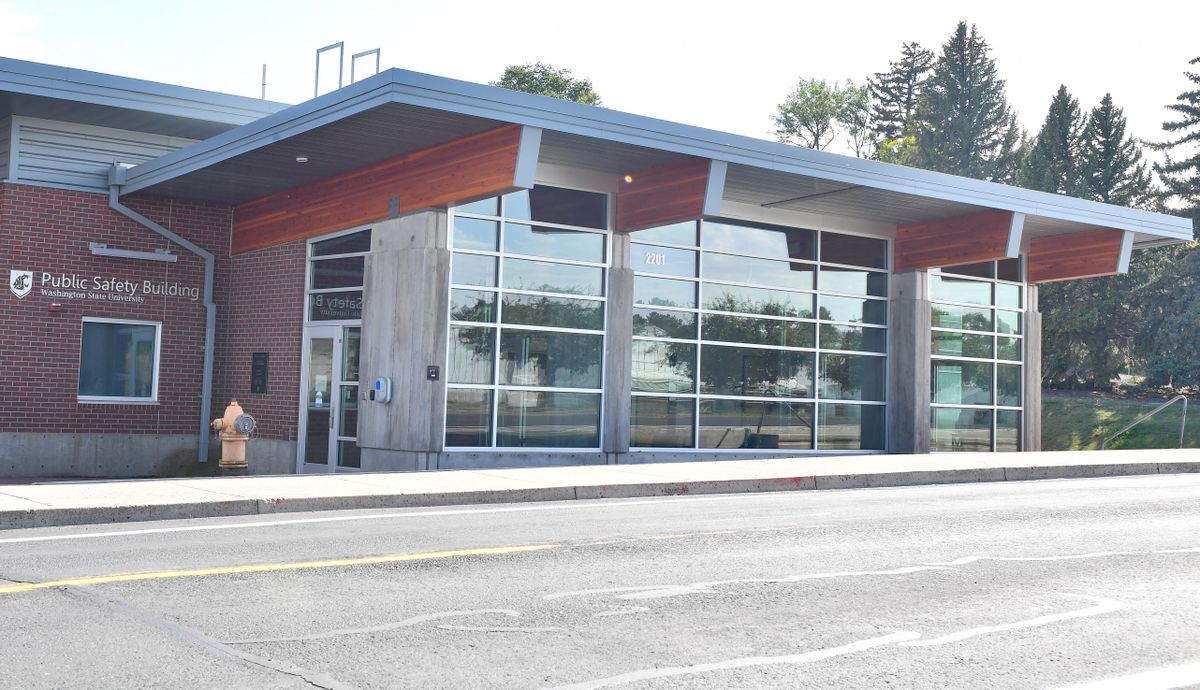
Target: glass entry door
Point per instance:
(329, 407)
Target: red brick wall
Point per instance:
(259, 297)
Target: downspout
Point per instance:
(116, 178)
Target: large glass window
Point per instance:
(118, 361)
(976, 352)
(335, 276)
(525, 356)
(753, 336)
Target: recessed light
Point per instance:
(301, 159)
(629, 179)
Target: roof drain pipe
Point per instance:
(116, 178)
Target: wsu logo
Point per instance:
(20, 282)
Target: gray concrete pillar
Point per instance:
(1031, 425)
(908, 363)
(405, 307)
(618, 383)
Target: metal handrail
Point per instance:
(1151, 413)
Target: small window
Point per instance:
(118, 361)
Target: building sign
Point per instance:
(72, 286)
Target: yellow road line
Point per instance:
(271, 567)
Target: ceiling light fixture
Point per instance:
(301, 159)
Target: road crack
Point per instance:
(195, 638)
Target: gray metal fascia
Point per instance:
(494, 103)
(70, 84)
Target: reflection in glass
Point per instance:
(744, 329)
(679, 233)
(1008, 430)
(1008, 348)
(349, 454)
(661, 292)
(335, 306)
(1008, 295)
(1008, 322)
(959, 290)
(853, 309)
(543, 276)
(962, 345)
(664, 367)
(741, 269)
(538, 419)
(320, 400)
(475, 233)
(748, 300)
(557, 360)
(660, 323)
(851, 249)
(755, 424)
(852, 377)
(473, 269)
(558, 205)
(662, 422)
(348, 412)
(553, 243)
(855, 338)
(1009, 269)
(770, 241)
(472, 305)
(645, 258)
(483, 207)
(343, 244)
(337, 273)
(561, 312)
(962, 318)
(961, 429)
(471, 354)
(963, 383)
(726, 370)
(116, 360)
(1008, 385)
(853, 281)
(851, 427)
(468, 417)
(351, 345)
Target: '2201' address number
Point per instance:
(656, 259)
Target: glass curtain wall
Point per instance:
(525, 358)
(976, 352)
(752, 336)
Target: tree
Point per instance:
(1174, 358)
(1052, 163)
(964, 123)
(1111, 167)
(545, 80)
(815, 112)
(895, 92)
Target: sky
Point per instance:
(722, 65)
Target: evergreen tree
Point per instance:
(896, 91)
(964, 123)
(1174, 358)
(1052, 163)
(1111, 167)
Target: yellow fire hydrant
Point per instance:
(235, 427)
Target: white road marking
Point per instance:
(406, 623)
(745, 662)
(1069, 557)
(1102, 606)
(623, 611)
(587, 505)
(663, 591)
(1166, 678)
(480, 628)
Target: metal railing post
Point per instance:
(1148, 415)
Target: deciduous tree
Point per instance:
(545, 80)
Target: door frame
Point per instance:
(334, 332)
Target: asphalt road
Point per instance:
(1015, 585)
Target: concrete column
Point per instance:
(404, 331)
(908, 363)
(1031, 425)
(619, 359)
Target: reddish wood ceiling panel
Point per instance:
(473, 167)
(952, 241)
(659, 196)
(1076, 255)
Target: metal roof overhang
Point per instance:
(74, 95)
(398, 111)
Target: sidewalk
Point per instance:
(88, 502)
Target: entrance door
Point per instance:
(329, 405)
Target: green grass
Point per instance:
(1075, 421)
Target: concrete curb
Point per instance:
(55, 517)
